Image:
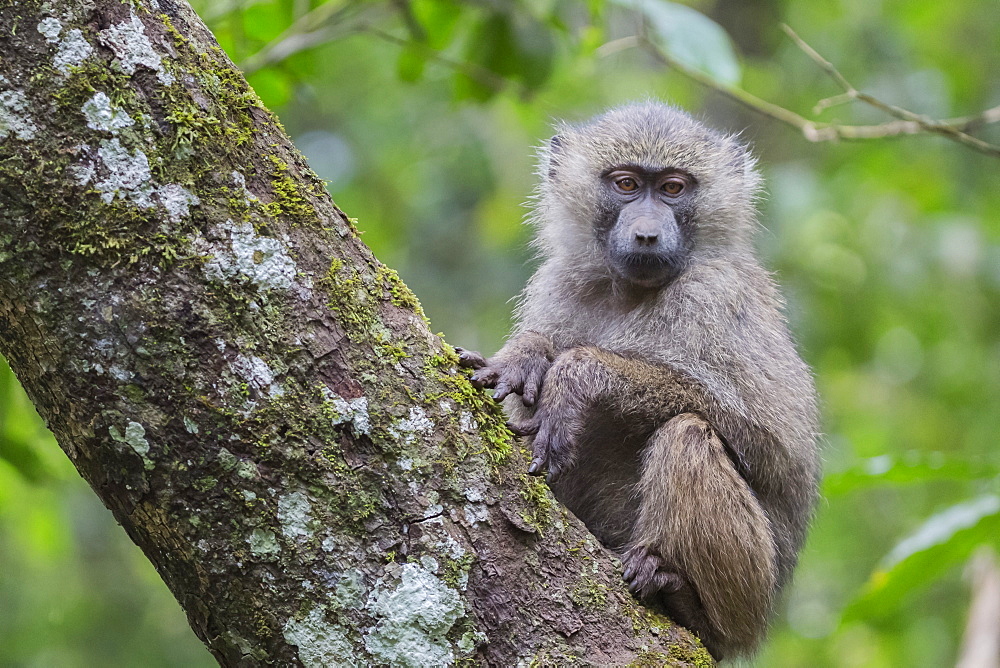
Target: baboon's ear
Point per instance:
(554, 152)
(744, 165)
(742, 156)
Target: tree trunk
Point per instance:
(255, 397)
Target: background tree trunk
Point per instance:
(255, 397)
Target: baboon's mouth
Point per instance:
(648, 270)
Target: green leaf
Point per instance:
(438, 18)
(911, 467)
(942, 541)
(493, 45)
(264, 22)
(691, 37)
(489, 47)
(24, 457)
(470, 88)
(515, 46)
(535, 50)
(411, 63)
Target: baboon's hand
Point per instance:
(573, 385)
(470, 359)
(519, 368)
(522, 376)
(646, 574)
(553, 442)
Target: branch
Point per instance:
(256, 398)
(314, 29)
(907, 123)
(981, 642)
(322, 24)
(481, 74)
(953, 129)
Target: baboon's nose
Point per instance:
(646, 238)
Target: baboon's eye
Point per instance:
(673, 186)
(627, 184)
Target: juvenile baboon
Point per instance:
(658, 382)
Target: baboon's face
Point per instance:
(655, 189)
(643, 222)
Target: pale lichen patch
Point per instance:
(135, 438)
(14, 118)
(255, 371)
(120, 373)
(73, 49)
(247, 470)
(295, 515)
(263, 543)
(227, 460)
(132, 48)
(447, 545)
(407, 429)
(320, 643)
(475, 513)
(354, 411)
(177, 200)
(245, 647)
(50, 27)
(470, 640)
(350, 590)
(127, 174)
(467, 423)
(414, 618)
(104, 116)
(241, 183)
(263, 261)
(83, 173)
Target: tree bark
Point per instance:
(255, 397)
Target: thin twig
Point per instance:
(924, 122)
(906, 123)
(316, 26)
(744, 97)
(824, 64)
(279, 49)
(417, 32)
(834, 101)
(966, 123)
(221, 8)
(484, 76)
(328, 21)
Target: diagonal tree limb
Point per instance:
(255, 397)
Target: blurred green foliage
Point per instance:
(74, 591)
(421, 115)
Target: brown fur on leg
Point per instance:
(703, 522)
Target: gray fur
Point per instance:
(679, 422)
